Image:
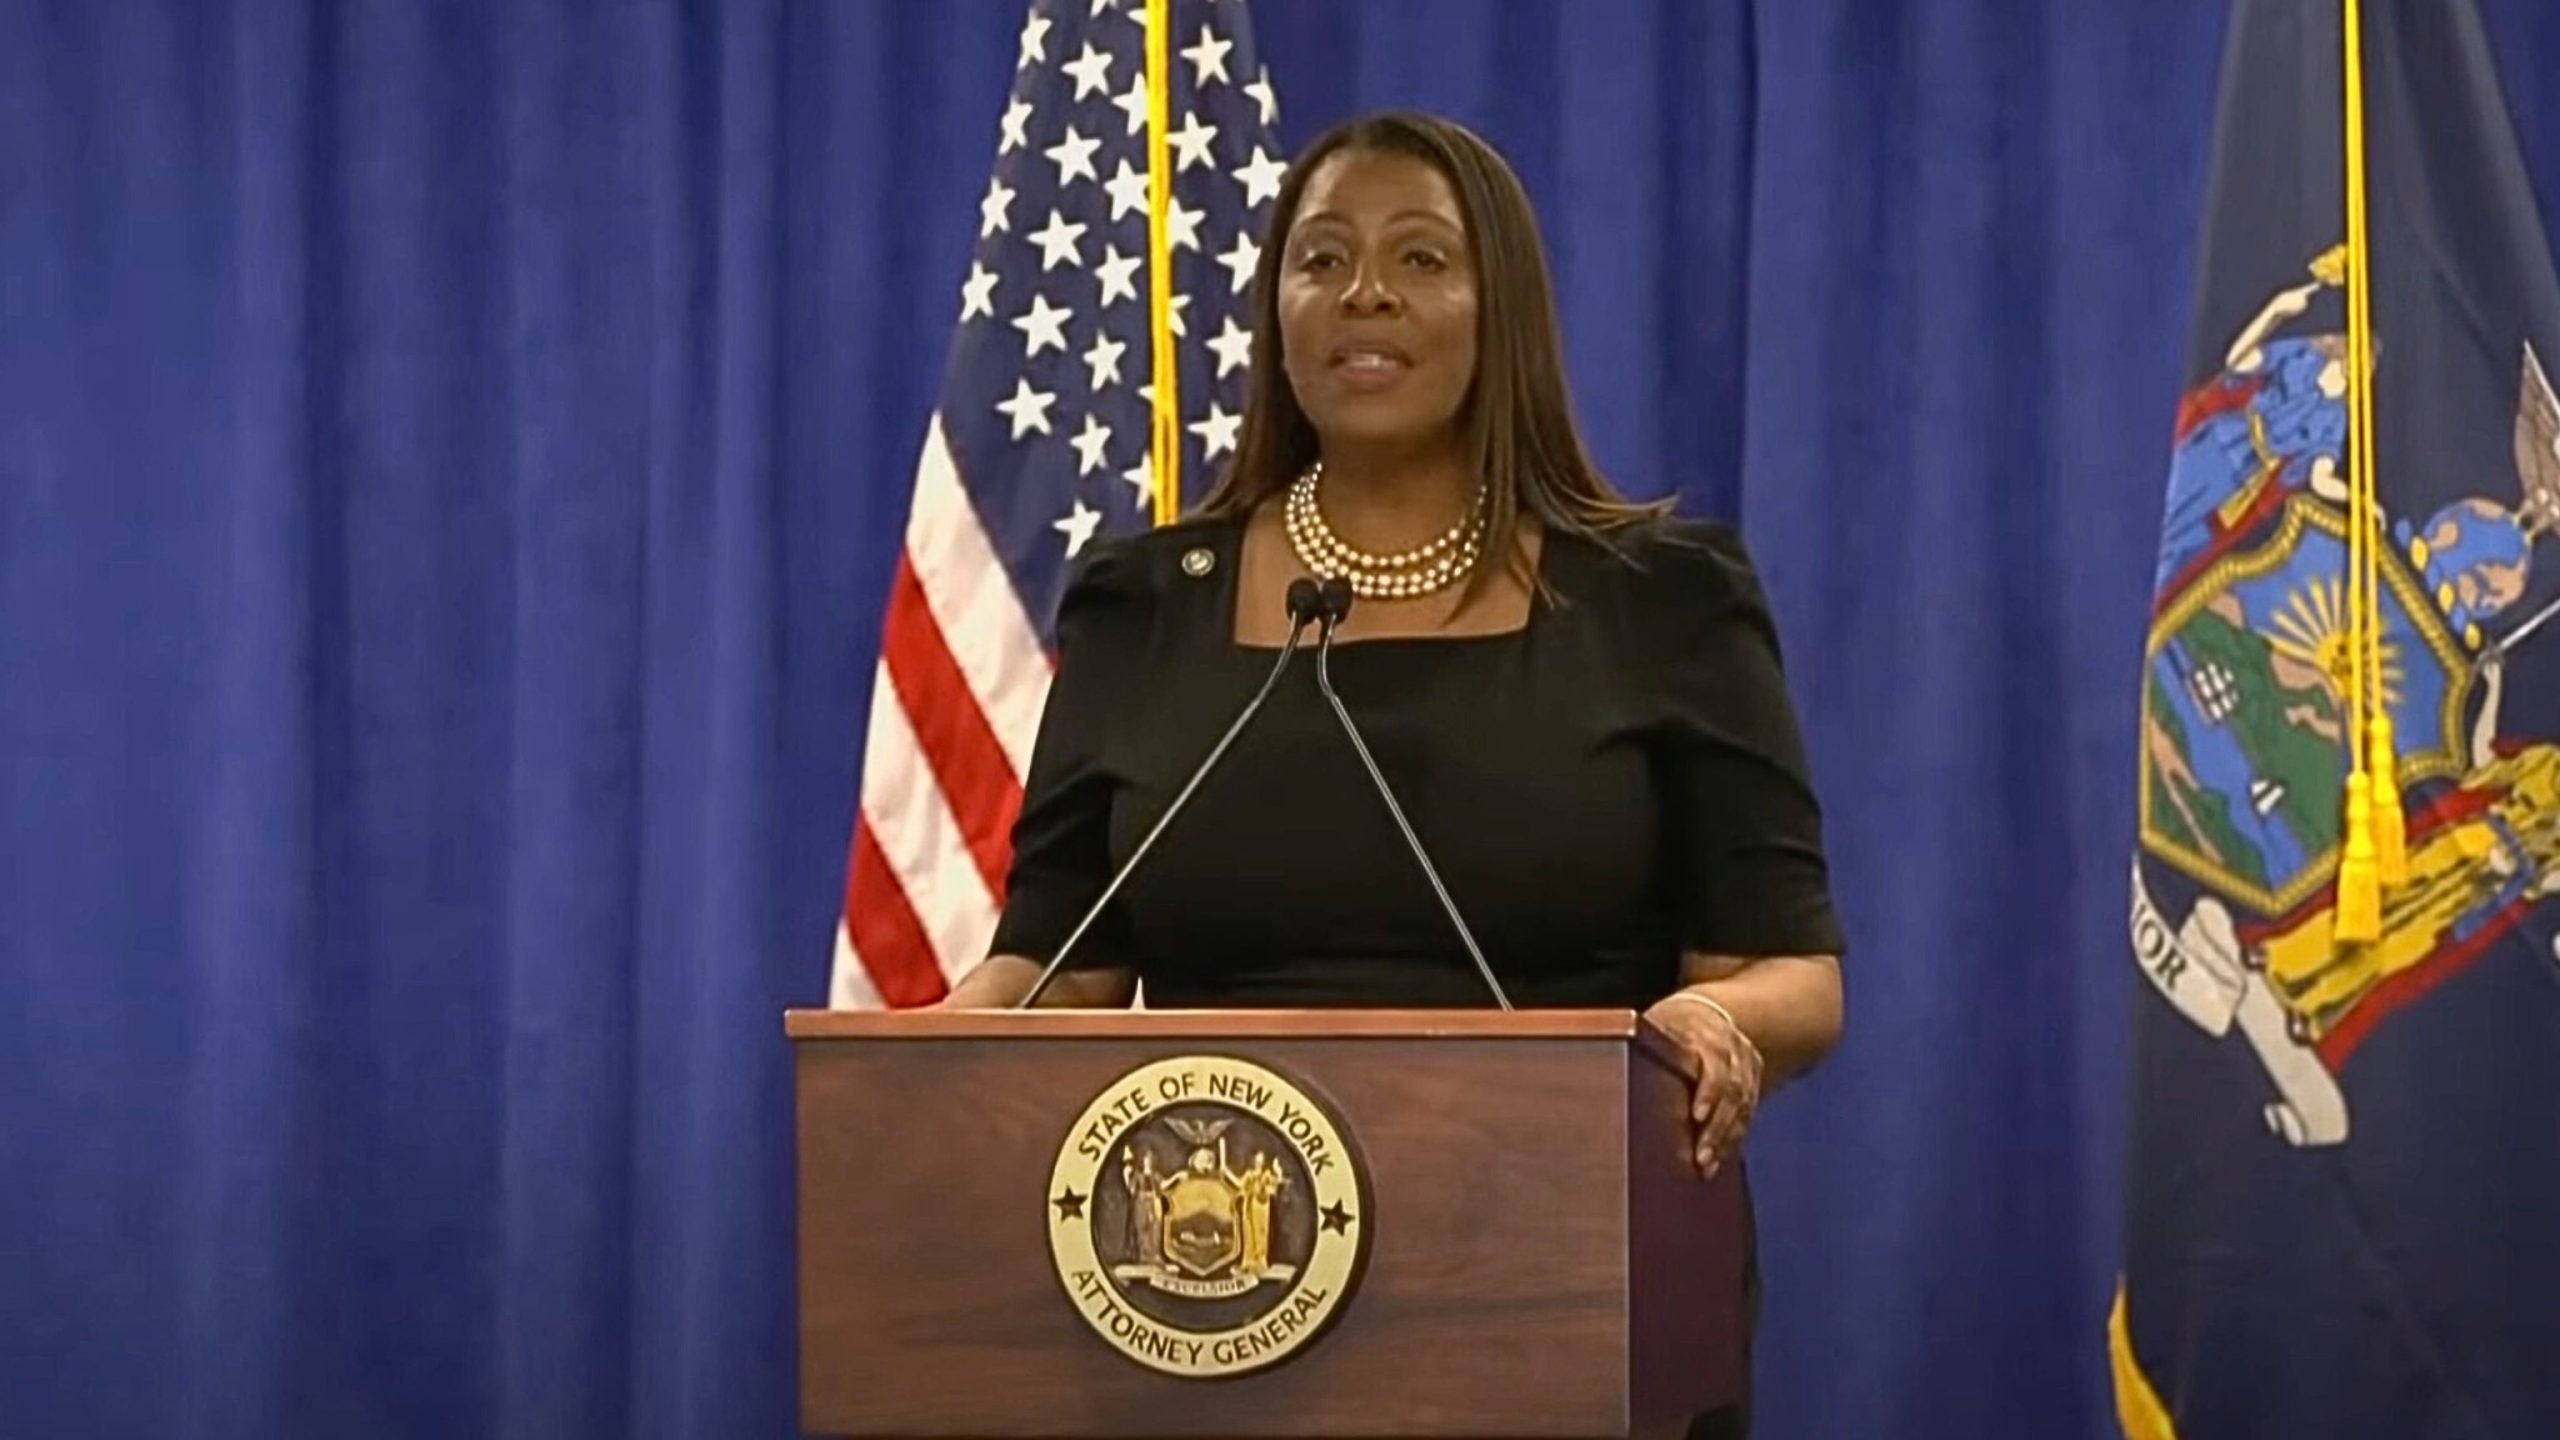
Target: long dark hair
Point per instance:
(1519, 421)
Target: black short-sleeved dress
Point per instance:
(1617, 782)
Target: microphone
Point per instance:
(1306, 603)
(1334, 603)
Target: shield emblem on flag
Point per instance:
(2244, 716)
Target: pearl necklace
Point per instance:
(1423, 570)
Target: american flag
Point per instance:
(1040, 442)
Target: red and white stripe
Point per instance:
(954, 711)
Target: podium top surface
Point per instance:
(1329, 1024)
(1064, 1023)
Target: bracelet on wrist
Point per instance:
(1717, 1006)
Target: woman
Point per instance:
(1577, 699)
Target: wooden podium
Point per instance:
(1531, 1251)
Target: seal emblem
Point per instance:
(1207, 1217)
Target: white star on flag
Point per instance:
(1133, 103)
(1057, 242)
(1092, 70)
(1234, 347)
(1091, 443)
(1128, 190)
(1079, 526)
(1074, 156)
(1262, 177)
(1182, 225)
(1240, 259)
(1043, 326)
(1208, 57)
(978, 296)
(1028, 409)
(1104, 359)
(1218, 432)
(1118, 274)
(1191, 143)
(991, 211)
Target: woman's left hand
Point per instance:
(1729, 1065)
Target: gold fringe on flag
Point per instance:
(2139, 1413)
(2375, 849)
(2390, 843)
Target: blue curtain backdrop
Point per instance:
(451, 461)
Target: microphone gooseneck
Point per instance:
(1306, 604)
(1335, 597)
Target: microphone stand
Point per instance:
(1336, 604)
(1305, 604)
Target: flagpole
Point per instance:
(1166, 434)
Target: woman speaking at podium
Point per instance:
(1576, 700)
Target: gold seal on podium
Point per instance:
(1207, 1217)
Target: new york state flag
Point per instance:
(2343, 1181)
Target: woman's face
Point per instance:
(1377, 301)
